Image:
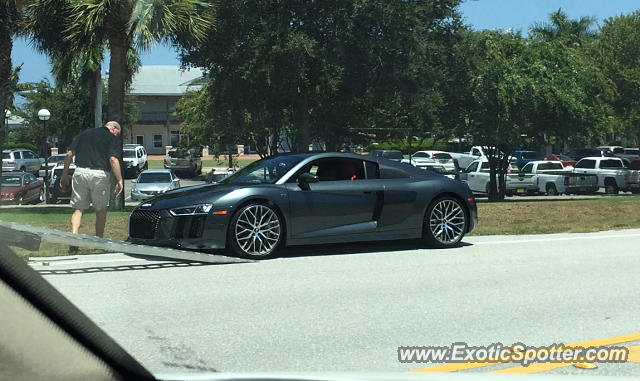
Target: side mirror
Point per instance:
(134, 181)
(305, 179)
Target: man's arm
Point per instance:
(65, 179)
(115, 167)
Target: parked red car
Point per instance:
(566, 160)
(21, 188)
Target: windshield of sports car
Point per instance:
(151, 177)
(11, 181)
(265, 171)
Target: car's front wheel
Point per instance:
(445, 222)
(255, 231)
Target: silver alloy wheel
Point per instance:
(257, 230)
(447, 221)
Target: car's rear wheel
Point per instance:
(255, 231)
(551, 190)
(445, 222)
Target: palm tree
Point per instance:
(130, 26)
(575, 32)
(10, 26)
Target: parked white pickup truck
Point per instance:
(554, 179)
(476, 175)
(465, 159)
(611, 173)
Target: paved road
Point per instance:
(349, 307)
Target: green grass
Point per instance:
(509, 217)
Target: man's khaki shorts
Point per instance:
(90, 186)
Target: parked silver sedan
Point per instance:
(152, 182)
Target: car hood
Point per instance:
(194, 195)
(152, 186)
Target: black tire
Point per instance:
(445, 231)
(551, 190)
(610, 186)
(246, 239)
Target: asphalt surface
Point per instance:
(349, 307)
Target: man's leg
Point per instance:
(101, 219)
(76, 218)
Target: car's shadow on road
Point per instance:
(118, 268)
(370, 247)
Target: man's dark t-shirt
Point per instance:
(93, 147)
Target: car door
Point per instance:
(587, 166)
(32, 161)
(342, 202)
(474, 178)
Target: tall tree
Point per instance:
(129, 25)
(560, 26)
(321, 70)
(619, 55)
(11, 15)
(46, 22)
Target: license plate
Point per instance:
(520, 190)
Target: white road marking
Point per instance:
(579, 236)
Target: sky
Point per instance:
(479, 14)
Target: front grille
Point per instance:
(151, 192)
(144, 224)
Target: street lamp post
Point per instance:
(7, 115)
(44, 115)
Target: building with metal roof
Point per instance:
(157, 89)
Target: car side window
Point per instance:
(476, 152)
(17, 155)
(472, 167)
(587, 164)
(527, 168)
(336, 169)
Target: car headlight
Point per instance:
(191, 210)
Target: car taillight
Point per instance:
(470, 199)
(42, 166)
(11, 162)
(566, 180)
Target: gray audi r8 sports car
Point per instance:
(309, 198)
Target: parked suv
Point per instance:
(134, 157)
(184, 160)
(20, 159)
